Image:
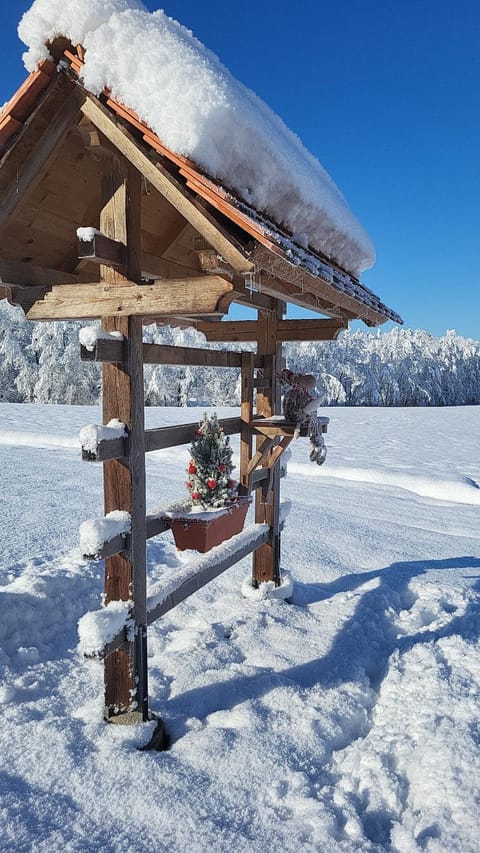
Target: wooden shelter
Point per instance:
(167, 244)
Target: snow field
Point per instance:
(344, 721)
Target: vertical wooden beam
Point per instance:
(126, 688)
(246, 412)
(266, 559)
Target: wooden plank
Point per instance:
(172, 436)
(275, 428)
(166, 184)
(121, 299)
(43, 154)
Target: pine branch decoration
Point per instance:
(209, 472)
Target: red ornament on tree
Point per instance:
(195, 496)
(222, 468)
(211, 483)
(192, 468)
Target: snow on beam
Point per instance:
(100, 443)
(97, 247)
(171, 591)
(156, 524)
(103, 537)
(98, 345)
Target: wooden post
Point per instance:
(266, 559)
(246, 413)
(126, 686)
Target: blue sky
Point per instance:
(386, 95)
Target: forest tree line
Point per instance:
(40, 363)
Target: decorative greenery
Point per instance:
(209, 472)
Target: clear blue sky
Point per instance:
(386, 94)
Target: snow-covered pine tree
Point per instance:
(209, 472)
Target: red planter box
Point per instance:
(202, 534)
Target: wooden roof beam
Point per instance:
(303, 297)
(275, 269)
(167, 185)
(203, 295)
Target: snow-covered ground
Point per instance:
(346, 720)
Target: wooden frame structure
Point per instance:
(167, 244)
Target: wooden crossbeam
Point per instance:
(25, 297)
(310, 330)
(172, 436)
(102, 250)
(195, 356)
(117, 545)
(276, 428)
(110, 448)
(229, 330)
(287, 330)
(167, 185)
(204, 570)
(155, 525)
(203, 295)
(113, 351)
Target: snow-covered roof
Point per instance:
(180, 89)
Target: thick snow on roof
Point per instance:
(182, 91)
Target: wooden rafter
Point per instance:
(278, 270)
(167, 185)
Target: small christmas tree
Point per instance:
(209, 472)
